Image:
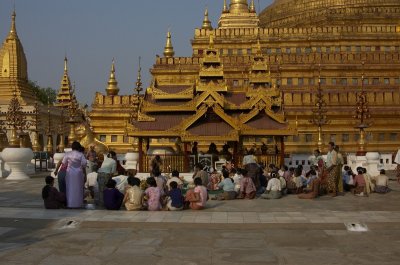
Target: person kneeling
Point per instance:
(53, 199)
(112, 196)
(175, 200)
(198, 196)
(273, 190)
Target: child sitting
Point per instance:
(153, 195)
(198, 196)
(133, 195)
(175, 200)
(53, 199)
(112, 196)
(236, 179)
(227, 186)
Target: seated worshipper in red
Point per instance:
(53, 199)
(247, 187)
(112, 196)
(197, 197)
(359, 183)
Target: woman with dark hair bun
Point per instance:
(75, 177)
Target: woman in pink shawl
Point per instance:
(76, 174)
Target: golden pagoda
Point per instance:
(15, 87)
(255, 78)
(65, 93)
(14, 69)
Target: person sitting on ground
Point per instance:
(112, 196)
(359, 183)
(236, 179)
(197, 197)
(381, 182)
(296, 183)
(369, 186)
(247, 187)
(52, 198)
(133, 195)
(228, 187)
(153, 195)
(175, 200)
(215, 179)
(312, 190)
(200, 173)
(348, 179)
(175, 177)
(91, 184)
(161, 180)
(273, 190)
(310, 176)
(283, 184)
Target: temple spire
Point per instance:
(252, 7)
(225, 9)
(65, 65)
(206, 21)
(13, 30)
(112, 88)
(138, 87)
(169, 50)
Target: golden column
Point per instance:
(362, 114)
(319, 111)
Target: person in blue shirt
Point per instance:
(175, 200)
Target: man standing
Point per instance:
(107, 170)
(91, 157)
(340, 162)
(331, 164)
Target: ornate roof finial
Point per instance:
(169, 50)
(139, 79)
(112, 89)
(65, 64)
(252, 7)
(225, 9)
(13, 30)
(206, 21)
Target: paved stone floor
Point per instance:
(285, 231)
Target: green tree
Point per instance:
(46, 95)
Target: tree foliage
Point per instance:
(46, 95)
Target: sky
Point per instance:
(93, 32)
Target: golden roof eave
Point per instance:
(160, 94)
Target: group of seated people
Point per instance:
(159, 192)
